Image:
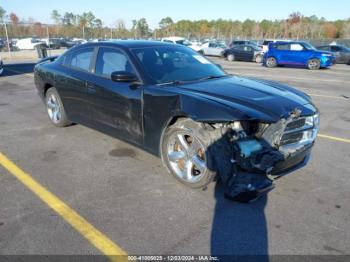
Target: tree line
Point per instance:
(87, 25)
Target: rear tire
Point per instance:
(55, 108)
(184, 152)
(271, 62)
(258, 59)
(313, 64)
(231, 57)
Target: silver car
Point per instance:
(213, 49)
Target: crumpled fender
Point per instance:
(180, 104)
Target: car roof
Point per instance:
(173, 38)
(128, 43)
(289, 42)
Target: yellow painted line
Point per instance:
(18, 72)
(327, 96)
(93, 235)
(339, 139)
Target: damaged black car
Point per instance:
(176, 104)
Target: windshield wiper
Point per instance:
(210, 77)
(175, 82)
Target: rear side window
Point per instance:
(110, 60)
(296, 47)
(81, 59)
(283, 47)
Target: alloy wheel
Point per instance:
(186, 156)
(53, 108)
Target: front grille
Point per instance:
(291, 138)
(299, 131)
(298, 123)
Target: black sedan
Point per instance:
(250, 53)
(173, 102)
(342, 53)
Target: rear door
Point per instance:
(71, 84)
(211, 48)
(280, 52)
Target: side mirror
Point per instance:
(123, 76)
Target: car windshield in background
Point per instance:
(166, 64)
(256, 48)
(309, 46)
(183, 42)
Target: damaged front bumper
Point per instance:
(282, 149)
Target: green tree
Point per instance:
(2, 14)
(56, 16)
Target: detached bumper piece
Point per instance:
(248, 187)
(253, 161)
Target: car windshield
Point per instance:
(183, 42)
(309, 46)
(256, 48)
(167, 64)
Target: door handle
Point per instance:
(90, 88)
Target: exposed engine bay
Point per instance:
(250, 155)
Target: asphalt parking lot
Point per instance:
(127, 195)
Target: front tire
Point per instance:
(314, 64)
(55, 108)
(271, 62)
(184, 152)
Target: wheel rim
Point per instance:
(230, 58)
(271, 62)
(53, 108)
(313, 64)
(186, 156)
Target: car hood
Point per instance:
(320, 52)
(266, 100)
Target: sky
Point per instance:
(154, 10)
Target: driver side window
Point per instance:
(110, 60)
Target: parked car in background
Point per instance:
(297, 54)
(11, 45)
(181, 41)
(245, 52)
(242, 42)
(341, 53)
(213, 49)
(1, 66)
(265, 43)
(52, 43)
(28, 43)
(67, 43)
(176, 104)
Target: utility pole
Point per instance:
(8, 42)
(48, 38)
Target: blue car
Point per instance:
(297, 54)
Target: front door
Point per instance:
(115, 106)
